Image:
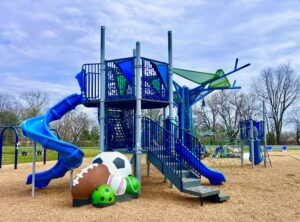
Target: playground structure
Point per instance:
(18, 136)
(255, 131)
(251, 132)
(120, 89)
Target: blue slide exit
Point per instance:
(257, 154)
(37, 129)
(214, 177)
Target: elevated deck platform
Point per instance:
(128, 104)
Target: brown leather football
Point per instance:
(87, 181)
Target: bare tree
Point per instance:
(63, 126)
(223, 112)
(71, 125)
(35, 102)
(4, 102)
(294, 120)
(80, 121)
(280, 88)
(9, 110)
(207, 117)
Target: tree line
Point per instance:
(76, 126)
(279, 87)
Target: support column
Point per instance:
(170, 57)
(102, 92)
(170, 74)
(33, 170)
(252, 143)
(265, 135)
(242, 133)
(138, 114)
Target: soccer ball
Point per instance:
(116, 163)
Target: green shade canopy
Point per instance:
(220, 83)
(194, 76)
(204, 77)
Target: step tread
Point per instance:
(202, 191)
(223, 197)
(189, 179)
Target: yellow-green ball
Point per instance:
(103, 196)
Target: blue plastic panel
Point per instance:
(162, 70)
(153, 85)
(119, 79)
(126, 67)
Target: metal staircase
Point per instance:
(163, 152)
(120, 134)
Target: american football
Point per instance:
(87, 181)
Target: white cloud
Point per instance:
(49, 41)
(49, 34)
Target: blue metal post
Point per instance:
(45, 156)
(138, 115)
(265, 135)
(16, 150)
(33, 169)
(252, 143)
(182, 116)
(1, 150)
(102, 92)
(170, 73)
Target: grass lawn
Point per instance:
(9, 153)
(8, 156)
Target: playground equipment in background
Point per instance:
(18, 148)
(254, 131)
(120, 89)
(225, 154)
(251, 131)
(283, 148)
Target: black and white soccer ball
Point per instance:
(116, 162)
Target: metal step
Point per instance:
(186, 173)
(201, 191)
(190, 182)
(175, 165)
(223, 197)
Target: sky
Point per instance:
(43, 44)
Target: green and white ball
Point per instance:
(133, 185)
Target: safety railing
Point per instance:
(91, 80)
(163, 144)
(189, 141)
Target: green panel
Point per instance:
(156, 84)
(121, 84)
(194, 76)
(220, 83)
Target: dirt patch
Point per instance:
(258, 194)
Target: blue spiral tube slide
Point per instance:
(37, 129)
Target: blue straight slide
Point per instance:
(214, 177)
(37, 129)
